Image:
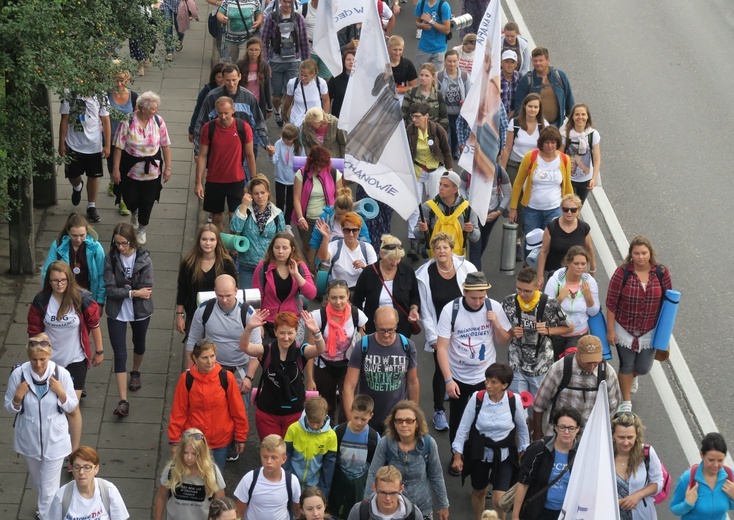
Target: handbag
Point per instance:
(662, 355)
(415, 327)
(213, 25)
(507, 502)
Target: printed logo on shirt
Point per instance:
(190, 492)
(385, 373)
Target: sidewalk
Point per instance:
(132, 450)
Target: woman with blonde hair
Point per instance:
(320, 128)
(190, 475)
(223, 508)
(427, 92)
(408, 447)
(305, 91)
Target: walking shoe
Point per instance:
(635, 385)
(142, 237)
(111, 189)
(134, 220)
(84, 392)
(209, 218)
(123, 409)
(413, 252)
(92, 214)
(232, 452)
(445, 396)
(122, 209)
(519, 252)
(76, 196)
(452, 470)
(279, 119)
(169, 56)
(418, 34)
(135, 383)
(439, 421)
(626, 406)
(179, 47)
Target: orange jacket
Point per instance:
(220, 416)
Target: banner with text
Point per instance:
(331, 17)
(377, 155)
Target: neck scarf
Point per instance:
(336, 329)
(261, 218)
(530, 305)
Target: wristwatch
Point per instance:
(99, 352)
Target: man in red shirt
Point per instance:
(225, 152)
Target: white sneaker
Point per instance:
(635, 385)
(134, 219)
(418, 34)
(626, 406)
(142, 238)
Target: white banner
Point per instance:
(377, 156)
(592, 487)
(481, 110)
(332, 16)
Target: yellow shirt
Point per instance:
(423, 153)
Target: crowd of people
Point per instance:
(337, 405)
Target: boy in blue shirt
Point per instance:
(433, 20)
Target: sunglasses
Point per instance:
(570, 210)
(203, 341)
(404, 421)
(42, 343)
(391, 247)
(352, 231)
(624, 414)
(336, 282)
(196, 436)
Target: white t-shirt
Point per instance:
(385, 300)
(523, 142)
(546, 190)
(269, 499)
(471, 346)
(572, 149)
(127, 313)
(82, 508)
(85, 126)
(313, 97)
(64, 334)
(341, 348)
(310, 21)
(316, 200)
(343, 267)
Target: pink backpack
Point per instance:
(663, 494)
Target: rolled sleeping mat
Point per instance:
(598, 328)
(309, 394)
(250, 297)
(367, 208)
(666, 320)
(322, 280)
(236, 242)
(527, 399)
(300, 161)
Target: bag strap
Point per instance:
(66, 499)
(454, 312)
(374, 267)
(104, 493)
(565, 380)
(255, 474)
(244, 21)
(207, 313)
(549, 485)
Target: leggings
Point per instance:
(456, 406)
(117, 331)
(439, 386)
(328, 380)
(635, 362)
(140, 196)
(284, 200)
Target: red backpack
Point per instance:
(694, 468)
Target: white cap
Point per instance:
(509, 54)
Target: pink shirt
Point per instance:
(141, 141)
(253, 85)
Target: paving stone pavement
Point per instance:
(132, 450)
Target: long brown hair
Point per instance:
(640, 240)
(244, 63)
(72, 296)
(521, 116)
(295, 253)
(74, 220)
(192, 260)
(637, 455)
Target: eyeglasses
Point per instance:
(391, 247)
(388, 493)
(416, 116)
(569, 429)
(86, 468)
(386, 331)
(570, 210)
(42, 343)
(59, 282)
(408, 421)
(353, 231)
(624, 414)
(524, 291)
(124, 243)
(196, 435)
(336, 282)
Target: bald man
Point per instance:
(384, 366)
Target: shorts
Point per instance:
(282, 73)
(80, 163)
(480, 475)
(78, 372)
(216, 193)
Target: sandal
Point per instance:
(135, 382)
(123, 409)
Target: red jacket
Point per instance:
(221, 417)
(89, 319)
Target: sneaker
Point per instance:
(209, 218)
(519, 252)
(418, 34)
(111, 189)
(135, 383)
(122, 209)
(169, 56)
(92, 214)
(279, 119)
(635, 385)
(141, 70)
(413, 252)
(179, 47)
(84, 392)
(142, 237)
(626, 406)
(439, 421)
(445, 396)
(76, 196)
(452, 470)
(232, 452)
(123, 409)
(134, 220)
(38, 515)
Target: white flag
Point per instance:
(332, 16)
(377, 155)
(481, 109)
(592, 487)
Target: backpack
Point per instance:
(241, 133)
(288, 482)
(341, 429)
(222, 380)
(626, 273)
(104, 494)
(554, 72)
(449, 224)
(539, 314)
(364, 509)
(285, 47)
(534, 159)
(355, 318)
(209, 308)
(455, 310)
(692, 478)
(337, 254)
(601, 375)
(511, 399)
(303, 92)
(663, 494)
(262, 272)
(22, 380)
(516, 127)
(462, 77)
(403, 342)
(265, 362)
(438, 11)
(426, 453)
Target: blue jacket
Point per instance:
(95, 263)
(711, 504)
(311, 454)
(244, 224)
(530, 82)
(328, 216)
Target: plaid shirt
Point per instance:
(636, 309)
(508, 91)
(269, 33)
(581, 401)
(463, 131)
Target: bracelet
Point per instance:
(17, 404)
(592, 271)
(99, 352)
(169, 168)
(318, 336)
(448, 380)
(300, 219)
(180, 314)
(248, 377)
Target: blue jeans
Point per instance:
(476, 249)
(524, 383)
(245, 276)
(220, 456)
(174, 23)
(537, 218)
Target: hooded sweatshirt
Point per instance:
(311, 454)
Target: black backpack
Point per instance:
(241, 133)
(539, 314)
(601, 375)
(279, 42)
(222, 380)
(288, 481)
(210, 308)
(355, 318)
(341, 429)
